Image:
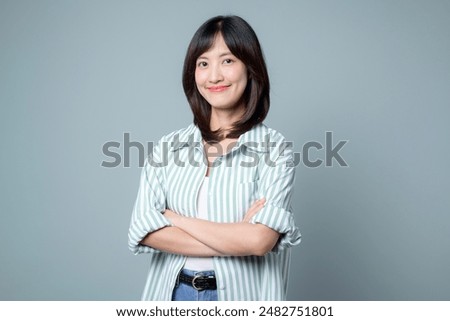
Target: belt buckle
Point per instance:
(193, 282)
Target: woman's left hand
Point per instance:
(256, 206)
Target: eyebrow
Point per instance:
(226, 53)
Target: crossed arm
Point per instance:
(196, 237)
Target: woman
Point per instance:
(214, 203)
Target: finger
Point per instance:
(254, 208)
(258, 203)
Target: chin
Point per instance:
(225, 107)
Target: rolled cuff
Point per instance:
(282, 221)
(140, 227)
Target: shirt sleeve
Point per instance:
(276, 184)
(147, 215)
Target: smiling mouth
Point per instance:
(217, 88)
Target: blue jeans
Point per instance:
(185, 292)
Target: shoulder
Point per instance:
(275, 134)
(182, 134)
(273, 143)
(263, 133)
(175, 140)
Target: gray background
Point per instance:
(77, 74)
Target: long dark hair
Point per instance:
(242, 41)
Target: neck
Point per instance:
(224, 118)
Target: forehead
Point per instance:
(218, 47)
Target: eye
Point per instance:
(202, 64)
(227, 61)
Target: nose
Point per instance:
(215, 74)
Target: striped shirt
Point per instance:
(259, 165)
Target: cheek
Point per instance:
(239, 75)
(199, 82)
(242, 80)
(245, 79)
(199, 77)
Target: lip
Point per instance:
(217, 88)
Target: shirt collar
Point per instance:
(189, 137)
(256, 139)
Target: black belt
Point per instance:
(199, 282)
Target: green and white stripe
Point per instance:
(233, 186)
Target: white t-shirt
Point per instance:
(201, 263)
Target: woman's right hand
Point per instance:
(255, 208)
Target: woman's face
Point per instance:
(221, 78)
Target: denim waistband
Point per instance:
(194, 273)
